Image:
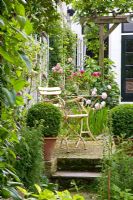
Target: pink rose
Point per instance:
(74, 73)
(96, 74)
(82, 71)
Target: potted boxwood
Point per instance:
(50, 118)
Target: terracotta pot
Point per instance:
(49, 145)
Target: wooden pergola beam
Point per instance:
(110, 31)
(109, 19)
(105, 19)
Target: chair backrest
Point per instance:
(49, 91)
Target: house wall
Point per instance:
(115, 44)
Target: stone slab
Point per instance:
(65, 174)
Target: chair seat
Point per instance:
(49, 90)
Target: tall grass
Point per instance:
(98, 120)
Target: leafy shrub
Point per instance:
(48, 194)
(29, 160)
(48, 114)
(120, 167)
(122, 120)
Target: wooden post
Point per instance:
(109, 176)
(101, 47)
(0, 78)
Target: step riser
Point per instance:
(73, 184)
(85, 165)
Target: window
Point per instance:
(127, 28)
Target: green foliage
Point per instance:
(122, 120)
(29, 156)
(8, 177)
(13, 38)
(62, 44)
(123, 195)
(48, 115)
(96, 8)
(49, 195)
(98, 121)
(119, 165)
(43, 15)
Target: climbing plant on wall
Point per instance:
(63, 45)
(15, 65)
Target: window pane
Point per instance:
(129, 73)
(127, 27)
(129, 59)
(129, 45)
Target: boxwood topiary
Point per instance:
(122, 120)
(50, 116)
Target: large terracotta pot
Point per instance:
(49, 145)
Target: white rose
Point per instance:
(70, 60)
(97, 106)
(93, 93)
(103, 103)
(88, 102)
(104, 95)
(109, 87)
(94, 89)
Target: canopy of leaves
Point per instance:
(101, 7)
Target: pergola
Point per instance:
(102, 21)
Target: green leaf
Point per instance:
(23, 1)
(21, 20)
(9, 95)
(19, 101)
(19, 85)
(28, 27)
(2, 165)
(11, 153)
(2, 24)
(22, 190)
(26, 60)
(7, 56)
(29, 96)
(20, 10)
(38, 188)
(3, 133)
(14, 194)
(5, 193)
(18, 72)
(13, 175)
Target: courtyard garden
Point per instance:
(64, 135)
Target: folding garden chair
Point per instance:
(82, 118)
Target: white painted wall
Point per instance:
(115, 52)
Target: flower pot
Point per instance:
(49, 145)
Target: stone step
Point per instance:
(79, 164)
(75, 175)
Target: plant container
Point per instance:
(49, 146)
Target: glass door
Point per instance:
(127, 69)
